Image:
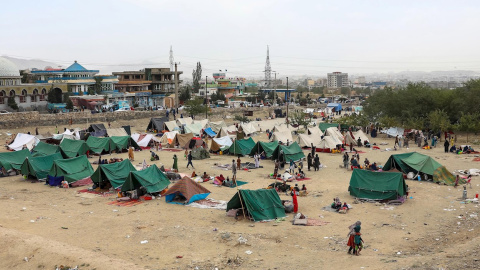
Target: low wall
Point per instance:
(34, 118)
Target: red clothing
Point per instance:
(295, 203)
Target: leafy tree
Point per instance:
(69, 104)
(469, 123)
(185, 95)
(241, 118)
(197, 76)
(97, 87)
(439, 120)
(300, 118)
(345, 91)
(196, 106)
(54, 95)
(12, 103)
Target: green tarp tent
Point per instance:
(291, 152)
(241, 147)
(123, 142)
(116, 173)
(261, 204)
(200, 153)
(416, 162)
(45, 149)
(39, 167)
(72, 169)
(72, 148)
(98, 145)
(267, 147)
(13, 160)
(323, 126)
(151, 178)
(377, 185)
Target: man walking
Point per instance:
(189, 158)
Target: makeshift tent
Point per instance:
(291, 152)
(323, 126)
(394, 131)
(151, 178)
(227, 131)
(187, 191)
(184, 121)
(22, 140)
(143, 140)
(377, 185)
(315, 131)
(247, 128)
(39, 167)
(284, 137)
(327, 144)
(281, 128)
(73, 148)
(361, 135)
(116, 173)
(416, 162)
(261, 204)
(45, 149)
(241, 147)
(336, 106)
(99, 145)
(44, 137)
(97, 130)
(72, 169)
(182, 140)
(13, 160)
(170, 126)
(308, 140)
(350, 138)
(217, 126)
(123, 143)
(210, 132)
(200, 153)
(264, 125)
(333, 132)
(267, 147)
(156, 124)
(168, 137)
(203, 123)
(128, 130)
(193, 128)
(116, 132)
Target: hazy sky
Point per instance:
(305, 37)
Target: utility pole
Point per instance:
(176, 88)
(275, 91)
(286, 99)
(206, 98)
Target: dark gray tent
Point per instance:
(156, 123)
(97, 130)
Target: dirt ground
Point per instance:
(42, 226)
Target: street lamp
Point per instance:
(206, 98)
(286, 99)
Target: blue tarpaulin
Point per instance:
(210, 132)
(337, 106)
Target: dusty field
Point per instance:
(433, 230)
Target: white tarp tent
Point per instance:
(282, 137)
(143, 142)
(223, 141)
(168, 137)
(394, 131)
(333, 132)
(116, 132)
(315, 131)
(248, 128)
(23, 139)
(268, 124)
(184, 121)
(307, 140)
(217, 126)
(328, 143)
(170, 126)
(281, 128)
(193, 128)
(227, 131)
(350, 138)
(203, 123)
(361, 135)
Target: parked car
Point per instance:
(124, 109)
(4, 112)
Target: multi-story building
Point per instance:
(76, 77)
(28, 96)
(162, 80)
(132, 81)
(337, 80)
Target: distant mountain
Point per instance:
(31, 63)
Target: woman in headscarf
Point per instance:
(130, 154)
(175, 164)
(351, 236)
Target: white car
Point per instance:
(4, 112)
(124, 109)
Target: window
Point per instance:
(33, 98)
(2, 97)
(23, 97)
(42, 96)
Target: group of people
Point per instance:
(313, 161)
(337, 205)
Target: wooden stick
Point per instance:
(240, 196)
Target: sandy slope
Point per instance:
(101, 236)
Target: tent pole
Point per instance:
(241, 203)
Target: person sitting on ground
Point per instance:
(219, 180)
(354, 163)
(227, 182)
(300, 174)
(453, 149)
(194, 174)
(287, 177)
(296, 190)
(303, 191)
(336, 203)
(374, 167)
(263, 155)
(205, 177)
(367, 163)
